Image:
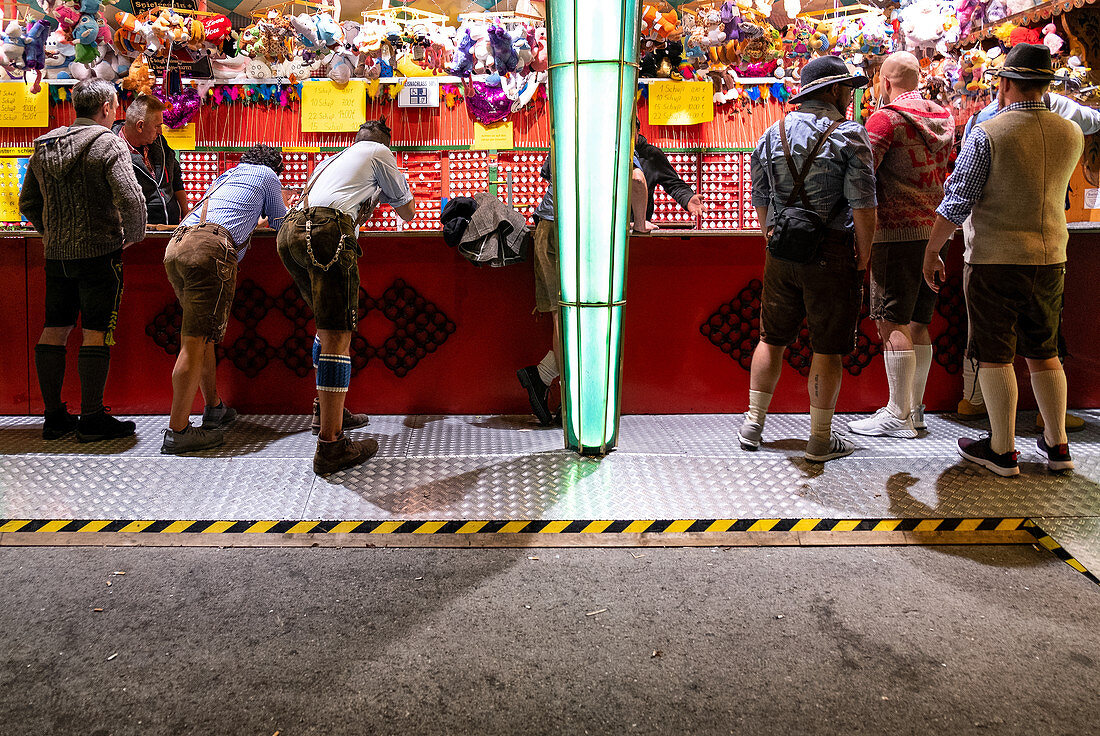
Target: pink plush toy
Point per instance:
(1052, 40)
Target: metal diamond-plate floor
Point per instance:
(504, 467)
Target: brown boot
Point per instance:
(342, 453)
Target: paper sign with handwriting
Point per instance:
(20, 109)
(495, 137)
(681, 103)
(180, 139)
(328, 108)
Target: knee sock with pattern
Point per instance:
(92, 363)
(333, 373)
(999, 387)
(920, 374)
(900, 366)
(821, 422)
(758, 406)
(1051, 396)
(49, 360)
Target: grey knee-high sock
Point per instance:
(49, 360)
(92, 363)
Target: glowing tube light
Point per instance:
(593, 75)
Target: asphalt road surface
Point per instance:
(872, 640)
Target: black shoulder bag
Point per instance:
(799, 231)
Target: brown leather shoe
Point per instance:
(342, 453)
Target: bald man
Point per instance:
(911, 139)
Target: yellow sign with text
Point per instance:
(495, 137)
(180, 139)
(681, 103)
(331, 108)
(20, 109)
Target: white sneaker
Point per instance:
(820, 451)
(918, 418)
(884, 424)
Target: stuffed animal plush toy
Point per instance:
(329, 32)
(463, 61)
(34, 51)
(67, 17)
(216, 28)
(659, 26)
(230, 67)
(1023, 34)
(89, 7)
(59, 56)
(341, 66)
(305, 30)
(505, 58)
(1052, 40)
(970, 14)
(521, 46)
(138, 80)
(11, 46)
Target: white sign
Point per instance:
(419, 93)
(1092, 199)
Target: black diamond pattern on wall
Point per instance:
(420, 328)
(950, 345)
(735, 330)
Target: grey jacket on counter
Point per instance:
(495, 233)
(80, 192)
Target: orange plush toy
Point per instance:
(139, 81)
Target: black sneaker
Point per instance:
(218, 417)
(538, 393)
(102, 426)
(979, 451)
(58, 423)
(1058, 457)
(351, 420)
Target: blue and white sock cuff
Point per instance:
(333, 373)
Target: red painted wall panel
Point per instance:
(674, 285)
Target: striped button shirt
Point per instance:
(239, 198)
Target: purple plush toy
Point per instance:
(34, 52)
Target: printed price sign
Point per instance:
(327, 108)
(419, 93)
(20, 109)
(12, 171)
(495, 137)
(180, 139)
(681, 103)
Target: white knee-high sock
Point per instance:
(548, 368)
(1051, 395)
(1001, 393)
(920, 373)
(972, 390)
(821, 422)
(758, 406)
(900, 366)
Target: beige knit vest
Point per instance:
(1021, 216)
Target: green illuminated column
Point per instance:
(593, 75)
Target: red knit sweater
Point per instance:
(912, 141)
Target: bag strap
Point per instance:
(799, 191)
(313, 179)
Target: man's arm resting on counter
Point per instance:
(407, 211)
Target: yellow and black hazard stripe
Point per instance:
(542, 526)
(1048, 543)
